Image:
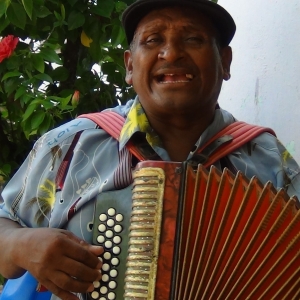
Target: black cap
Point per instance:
(219, 16)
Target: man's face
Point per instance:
(175, 64)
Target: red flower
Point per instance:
(7, 46)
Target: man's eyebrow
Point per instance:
(158, 26)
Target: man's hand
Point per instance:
(59, 260)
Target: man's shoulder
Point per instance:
(70, 129)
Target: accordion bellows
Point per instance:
(209, 235)
(223, 237)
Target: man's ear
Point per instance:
(226, 57)
(128, 66)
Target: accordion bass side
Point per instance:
(199, 235)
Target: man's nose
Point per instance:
(171, 51)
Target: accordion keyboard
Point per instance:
(111, 232)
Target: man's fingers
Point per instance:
(80, 271)
(84, 253)
(62, 294)
(62, 283)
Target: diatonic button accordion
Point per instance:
(179, 233)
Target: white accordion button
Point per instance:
(95, 295)
(116, 250)
(108, 244)
(100, 239)
(105, 267)
(113, 273)
(102, 228)
(119, 217)
(103, 290)
(107, 255)
(105, 278)
(109, 234)
(112, 285)
(110, 222)
(111, 212)
(117, 239)
(111, 296)
(115, 261)
(96, 284)
(103, 217)
(118, 228)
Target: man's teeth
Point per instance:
(177, 78)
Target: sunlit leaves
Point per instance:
(50, 55)
(65, 46)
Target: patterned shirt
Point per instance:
(70, 165)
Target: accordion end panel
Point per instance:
(144, 236)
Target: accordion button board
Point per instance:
(111, 229)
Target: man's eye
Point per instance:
(195, 39)
(152, 40)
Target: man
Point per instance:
(179, 56)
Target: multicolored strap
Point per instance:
(223, 143)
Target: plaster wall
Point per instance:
(264, 88)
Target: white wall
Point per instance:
(265, 85)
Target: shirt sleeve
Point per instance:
(29, 197)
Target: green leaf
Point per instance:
(16, 15)
(117, 35)
(62, 101)
(44, 77)
(3, 6)
(37, 118)
(76, 19)
(103, 8)
(10, 74)
(51, 56)
(43, 12)
(63, 11)
(120, 6)
(60, 74)
(30, 109)
(28, 5)
(38, 62)
(46, 124)
(20, 91)
(4, 22)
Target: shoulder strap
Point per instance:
(224, 142)
(229, 139)
(112, 123)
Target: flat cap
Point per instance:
(222, 20)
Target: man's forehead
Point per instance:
(179, 17)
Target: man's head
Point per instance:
(179, 55)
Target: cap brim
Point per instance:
(219, 16)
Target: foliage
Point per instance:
(50, 77)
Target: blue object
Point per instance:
(23, 288)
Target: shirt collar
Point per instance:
(137, 121)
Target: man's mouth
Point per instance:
(175, 78)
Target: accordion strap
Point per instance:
(223, 143)
(229, 139)
(113, 123)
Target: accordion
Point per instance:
(179, 233)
